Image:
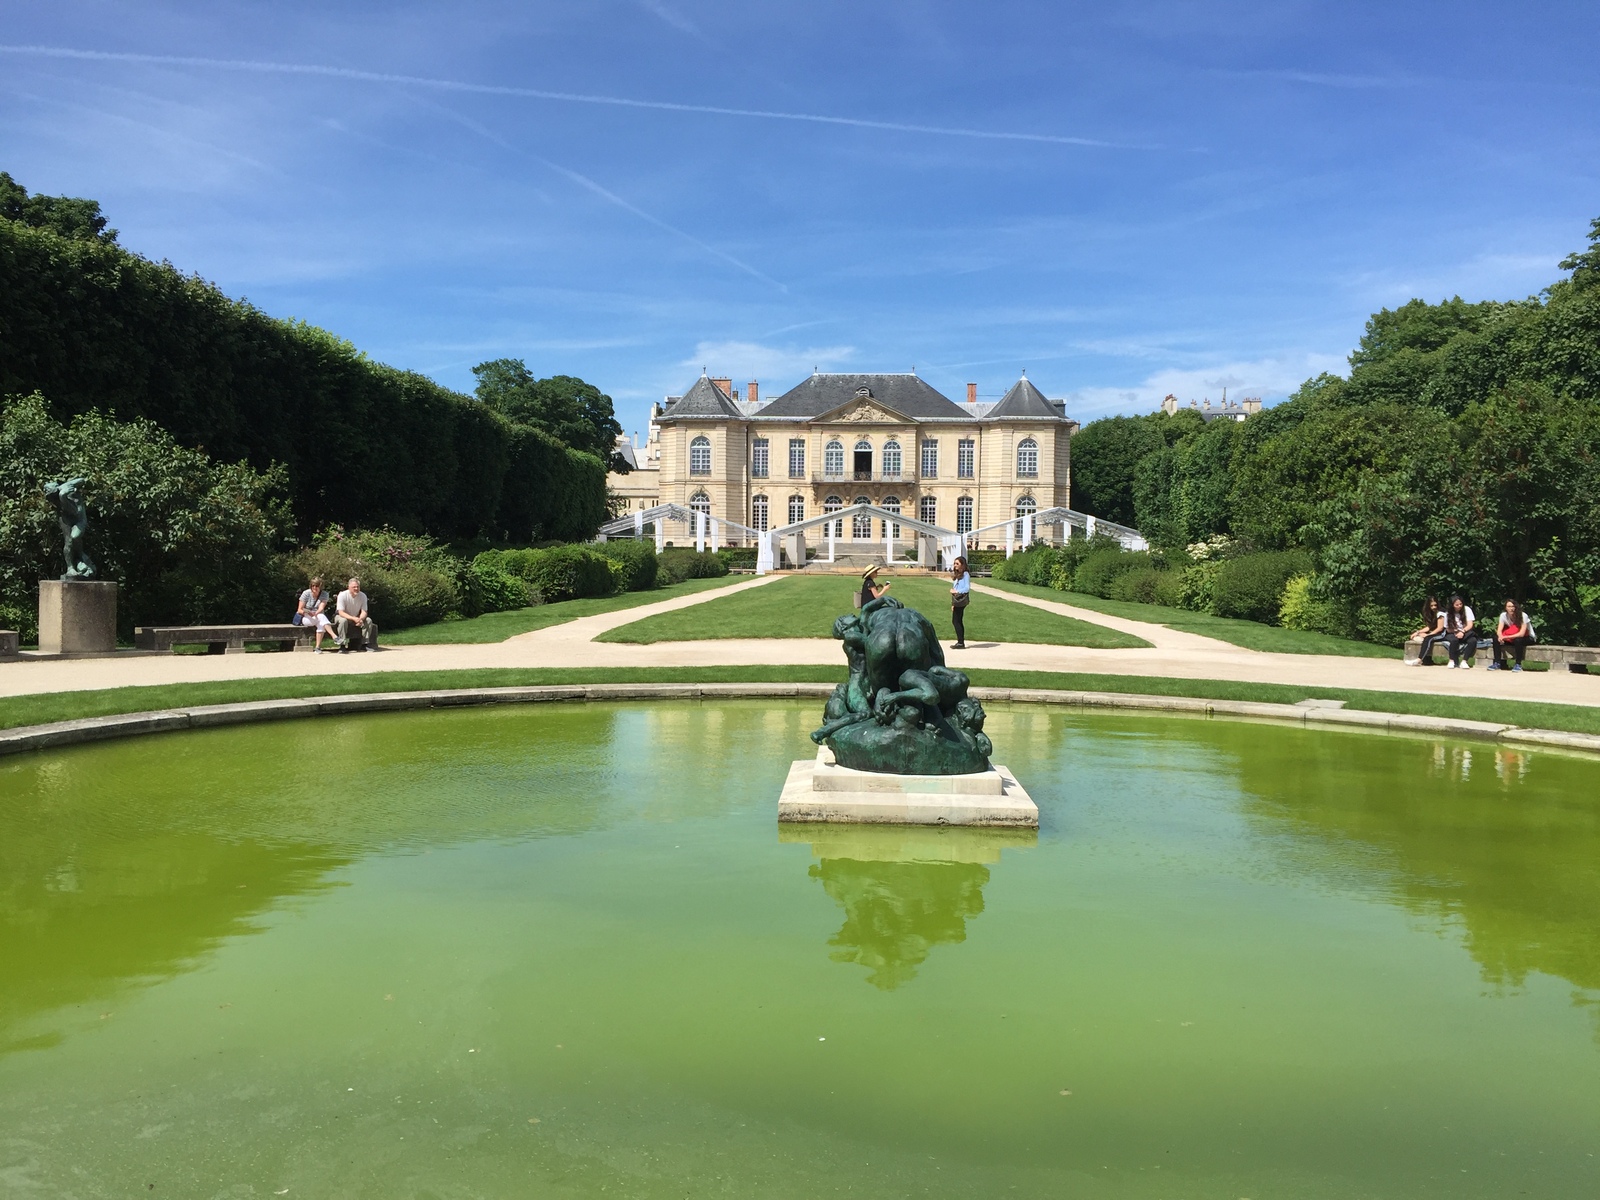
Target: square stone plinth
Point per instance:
(820, 790)
(77, 616)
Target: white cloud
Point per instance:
(752, 360)
(1269, 378)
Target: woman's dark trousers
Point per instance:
(957, 618)
(1517, 645)
(1461, 645)
(1429, 641)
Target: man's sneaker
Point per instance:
(1492, 667)
(366, 649)
(316, 649)
(1516, 666)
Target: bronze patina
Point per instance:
(901, 711)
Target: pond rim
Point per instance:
(57, 734)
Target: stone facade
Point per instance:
(891, 440)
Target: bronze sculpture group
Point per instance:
(901, 711)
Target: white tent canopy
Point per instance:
(1020, 532)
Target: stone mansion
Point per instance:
(890, 440)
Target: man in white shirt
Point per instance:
(353, 613)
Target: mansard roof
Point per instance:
(905, 394)
(1024, 401)
(704, 399)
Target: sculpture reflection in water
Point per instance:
(904, 890)
(902, 711)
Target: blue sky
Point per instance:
(1122, 199)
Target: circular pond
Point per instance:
(565, 950)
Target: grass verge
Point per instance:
(807, 605)
(40, 708)
(1252, 635)
(497, 627)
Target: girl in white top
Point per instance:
(960, 594)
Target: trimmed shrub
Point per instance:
(1302, 609)
(565, 572)
(741, 557)
(1033, 565)
(678, 564)
(1251, 586)
(498, 590)
(1147, 585)
(1101, 568)
(638, 560)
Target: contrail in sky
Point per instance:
(585, 182)
(490, 89)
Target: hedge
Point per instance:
(90, 325)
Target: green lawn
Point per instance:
(60, 706)
(807, 605)
(1252, 635)
(497, 627)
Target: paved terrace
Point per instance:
(1172, 653)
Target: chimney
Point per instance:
(1170, 404)
(972, 393)
(753, 392)
(726, 385)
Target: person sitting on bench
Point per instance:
(312, 612)
(1513, 632)
(354, 614)
(1431, 633)
(1460, 633)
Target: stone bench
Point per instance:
(1575, 658)
(222, 639)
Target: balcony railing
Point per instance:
(864, 477)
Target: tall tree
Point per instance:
(69, 216)
(564, 406)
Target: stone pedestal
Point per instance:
(77, 616)
(9, 643)
(821, 790)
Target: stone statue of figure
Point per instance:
(74, 516)
(902, 711)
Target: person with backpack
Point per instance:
(1513, 632)
(1460, 633)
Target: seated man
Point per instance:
(353, 613)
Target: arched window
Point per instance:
(758, 513)
(700, 502)
(1028, 458)
(832, 505)
(1026, 506)
(797, 509)
(861, 523)
(833, 459)
(892, 503)
(700, 456)
(964, 515)
(891, 459)
(928, 510)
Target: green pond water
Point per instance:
(565, 950)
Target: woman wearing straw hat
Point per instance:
(871, 589)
